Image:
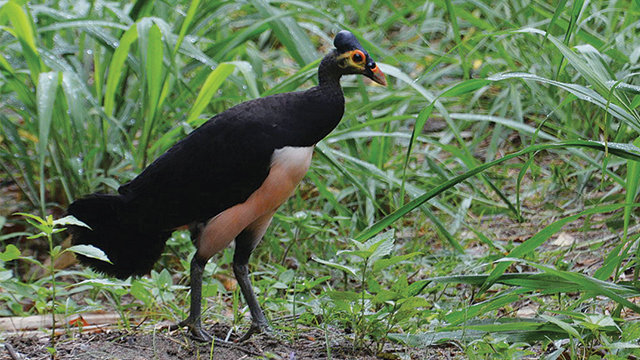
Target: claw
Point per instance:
(196, 330)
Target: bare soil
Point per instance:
(174, 345)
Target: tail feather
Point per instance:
(131, 247)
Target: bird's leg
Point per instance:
(244, 246)
(193, 321)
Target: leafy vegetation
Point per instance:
(519, 115)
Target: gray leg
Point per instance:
(245, 243)
(193, 320)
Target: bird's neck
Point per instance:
(329, 74)
(329, 89)
(319, 109)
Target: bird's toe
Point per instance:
(195, 329)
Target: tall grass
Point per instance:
(527, 99)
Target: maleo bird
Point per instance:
(225, 180)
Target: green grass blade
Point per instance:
(155, 77)
(457, 38)
(23, 30)
(214, 80)
(186, 23)
(631, 191)
(116, 68)
(289, 33)
(155, 51)
(559, 9)
(210, 87)
(46, 96)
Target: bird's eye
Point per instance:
(357, 57)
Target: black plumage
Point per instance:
(216, 167)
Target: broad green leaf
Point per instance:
(383, 248)
(70, 220)
(413, 302)
(344, 295)
(140, 292)
(563, 325)
(385, 263)
(37, 218)
(10, 253)
(385, 295)
(598, 321)
(89, 251)
(141, 8)
(351, 270)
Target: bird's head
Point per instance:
(352, 58)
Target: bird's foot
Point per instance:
(195, 328)
(260, 328)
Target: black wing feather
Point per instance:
(214, 168)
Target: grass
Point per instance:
(517, 111)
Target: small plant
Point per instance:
(495, 348)
(48, 227)
(374, 311)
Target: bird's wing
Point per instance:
(215, 167)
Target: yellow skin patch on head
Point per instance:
(352, 59)
(356, 62)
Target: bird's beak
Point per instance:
(378, 76)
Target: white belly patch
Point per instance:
(294, 161)
(288, 167)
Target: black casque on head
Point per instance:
(345, 41)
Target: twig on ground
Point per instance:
(12, 352)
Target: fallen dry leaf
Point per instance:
(564, 239)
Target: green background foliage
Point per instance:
(520, 110)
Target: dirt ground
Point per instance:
(174, 345)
